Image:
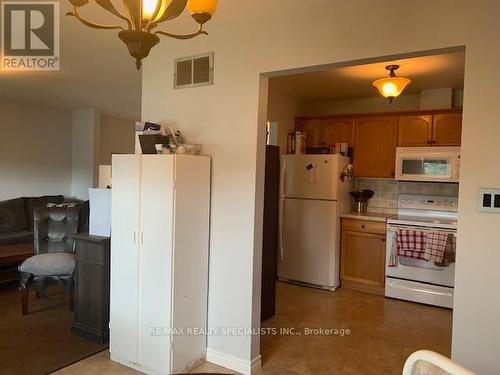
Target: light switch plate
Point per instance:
(489, 200)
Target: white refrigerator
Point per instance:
(313, 195)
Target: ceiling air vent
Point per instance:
(193, 71)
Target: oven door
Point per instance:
(427, 164)
(418, 269)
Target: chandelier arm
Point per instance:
(186, 36)
(108, 5)
(91, 24)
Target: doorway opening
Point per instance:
(342, 287)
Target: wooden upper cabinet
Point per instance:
(447, 129)
(338, 130)
(415, 131)
(313, 127)
(375, 146)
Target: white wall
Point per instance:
(282, 109)
(85, 151)
(117, 136)
(35, 150)
(265, 36)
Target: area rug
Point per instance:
(40, 342)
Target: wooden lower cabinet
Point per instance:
(363, 255)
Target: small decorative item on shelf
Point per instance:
(347, 173)
(300, 142)
(159, 148)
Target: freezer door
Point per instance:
(309, 242)
(309, 176)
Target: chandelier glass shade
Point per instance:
(139, 18)
(391, 87)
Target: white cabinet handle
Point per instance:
(142, 237)
(135, 237)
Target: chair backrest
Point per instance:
(53, 229)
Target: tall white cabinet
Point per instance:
(159, 260)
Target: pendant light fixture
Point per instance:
(391, 87)
(140, 17)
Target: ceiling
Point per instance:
(96, 71)
(352, 82)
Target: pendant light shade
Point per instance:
(391, 87)
(202, 10)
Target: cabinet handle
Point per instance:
(362, 226)
(135, 237)
(142, 238)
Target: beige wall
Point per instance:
(282, 109)
(35, 150)
(117, 136)
(250, 38)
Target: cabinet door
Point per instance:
(124, 257)
(338, 130)
(447, 129)
(363, 258)
(415, 131)
(375, 146)
(155, 270)
(313, 127)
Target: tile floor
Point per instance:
(383, 332)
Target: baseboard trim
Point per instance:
(234, 363)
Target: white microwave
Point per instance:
(435, 164)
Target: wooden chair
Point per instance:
(54, 248)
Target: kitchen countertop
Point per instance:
(370, 216)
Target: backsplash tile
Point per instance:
(387, 191)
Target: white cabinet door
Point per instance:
(157, 191)
(124, 257)
(309, 241)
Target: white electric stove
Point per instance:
(418, 280)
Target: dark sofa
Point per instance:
(16, 217)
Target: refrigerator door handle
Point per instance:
(281, 228)
(282, 178)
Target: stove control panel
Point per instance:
(428, 202)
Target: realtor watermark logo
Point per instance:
(30, 35)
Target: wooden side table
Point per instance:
(92, 262)
(11, 256)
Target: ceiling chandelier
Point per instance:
(391, 87)
(142, 16)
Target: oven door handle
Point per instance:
(394, 229)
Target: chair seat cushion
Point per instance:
(50, 264)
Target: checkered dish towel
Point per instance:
(411, 243)
(435, 246)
